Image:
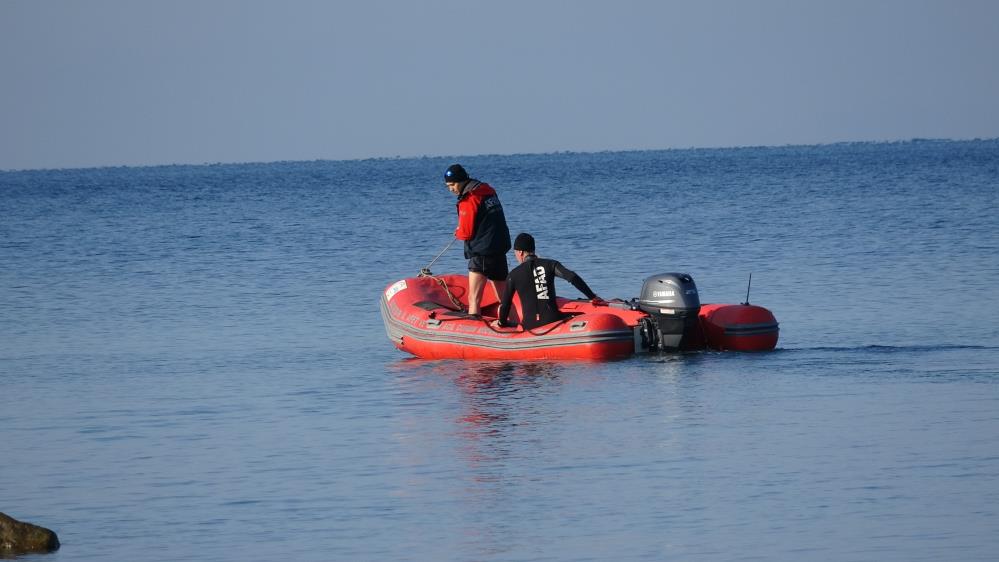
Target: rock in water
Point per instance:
(17, 537)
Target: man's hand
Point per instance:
(597, 301)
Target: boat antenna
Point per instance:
(425, 272)
(747, 288)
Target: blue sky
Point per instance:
(122, 82)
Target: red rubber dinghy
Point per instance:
(425, 316)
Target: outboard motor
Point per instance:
(672, 303)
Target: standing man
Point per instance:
(534, 281)
(482, 226)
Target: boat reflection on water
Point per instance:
(498, 396)
(500, 407)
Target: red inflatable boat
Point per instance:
(425, 316)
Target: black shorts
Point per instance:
(493, 267)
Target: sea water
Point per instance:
(193, 365)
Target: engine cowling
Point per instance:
(672, 303)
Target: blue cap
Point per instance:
(455, 173)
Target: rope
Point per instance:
(425, 272)
(553, 325)
(454, 299)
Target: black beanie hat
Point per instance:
(455, 173)
(524, 242)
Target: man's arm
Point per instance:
(467, 209)
(577, 281)
(506, 302)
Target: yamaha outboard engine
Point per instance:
(672, 303)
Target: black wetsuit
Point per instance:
(534, 281)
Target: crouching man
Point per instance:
(534, 281)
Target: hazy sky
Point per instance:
(131, 82)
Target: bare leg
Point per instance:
(499, 287)
(476, 282)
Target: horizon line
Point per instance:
(485, 155)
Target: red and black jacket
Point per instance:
(481, 222)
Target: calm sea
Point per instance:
(193, 365)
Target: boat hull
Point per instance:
(424, 316)
(738, 327)
(422, 319)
